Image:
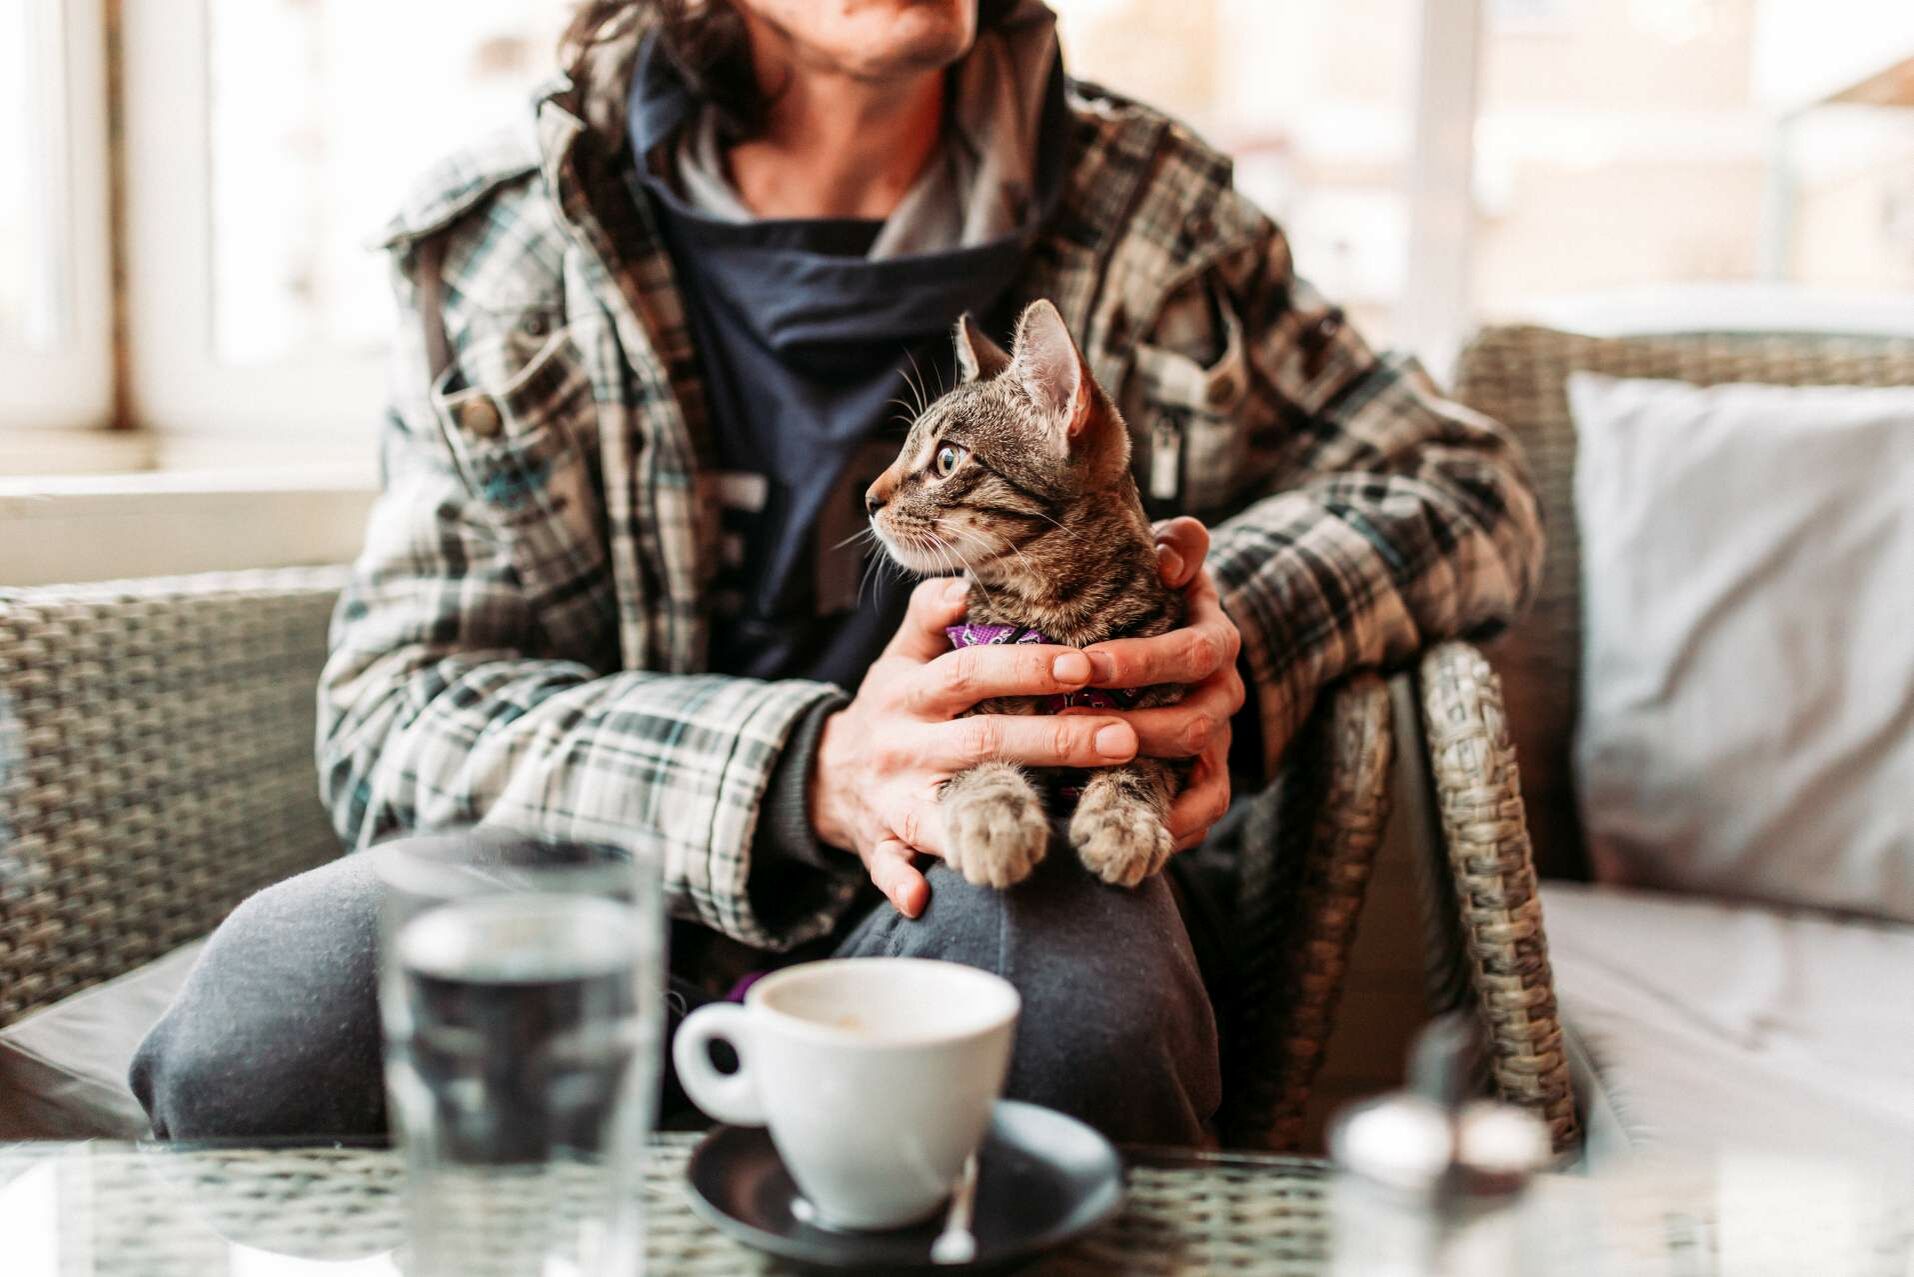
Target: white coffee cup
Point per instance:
(876, 1077)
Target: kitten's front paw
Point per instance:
(996, 833)
(1121, 843)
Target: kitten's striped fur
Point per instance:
(1020, 477)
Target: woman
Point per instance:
(645, 371)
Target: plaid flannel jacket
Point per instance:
(523, 638)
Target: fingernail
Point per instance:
(1169, 561)
(1102, 665)
(1071, 667)
(1115, 741)
(957, 590)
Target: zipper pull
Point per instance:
(1166, 458)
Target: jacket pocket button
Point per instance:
(480, 418)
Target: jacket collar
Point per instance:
(596, 88)
(1118, 146)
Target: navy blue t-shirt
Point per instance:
(808, 349)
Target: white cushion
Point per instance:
(1699, 1026)
(1747, 724)
(63, 1068)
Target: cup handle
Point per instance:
(729, 1097)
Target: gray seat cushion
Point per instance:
(63, 1069)
(1696, 1025)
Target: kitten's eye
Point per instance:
(949, 457)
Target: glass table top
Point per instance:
(301, 1210)
(103, 1209)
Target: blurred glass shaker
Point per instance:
(1428, 1184)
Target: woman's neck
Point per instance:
(834, 145)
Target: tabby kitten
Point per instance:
(1021, 477)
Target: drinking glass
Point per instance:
(522, 993)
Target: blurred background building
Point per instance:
(1618, 144)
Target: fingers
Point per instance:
(934, 604)
(1189, 727)
(957, 680)
(920, 825)
(1206, 643)
(1203, 800)
(894, 875)
(1181, 546)
(1046, 740)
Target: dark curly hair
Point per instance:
(706, 41)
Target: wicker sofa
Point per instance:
(1665, 1044)
(156, 767)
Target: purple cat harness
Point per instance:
(1088, 698)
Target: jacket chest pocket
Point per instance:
(517, 413)
(1192, 446)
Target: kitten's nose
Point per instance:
(877, 494)
(872, 504)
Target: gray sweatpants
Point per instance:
(276, 1031)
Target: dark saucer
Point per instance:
(1042, 1179)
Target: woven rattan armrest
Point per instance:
(1488, 946)
(1308, 849)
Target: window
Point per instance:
(267, 143)
(1436, 164)
(306, 161)
(55, 312)
(25, 309)
(1650, 149)
(1528, 15)
(1842, 189)
(1612, 150)
(1314, 101)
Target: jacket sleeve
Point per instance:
(474, 678)
(1391, 518)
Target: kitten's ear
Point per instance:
(977, 355)
(1047, 362)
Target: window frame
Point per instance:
(1435, 314)
(191, 408)
(283, 411)
(304, 406)
(186, 407)
(69, 385)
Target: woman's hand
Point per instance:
(1201, 655)
(882, 759)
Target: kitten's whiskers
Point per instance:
(1047, 519)
(909, 413)
(978, 581)
(917, 385)
(1008, 544)
(867, 532)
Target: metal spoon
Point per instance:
(956, 1244)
